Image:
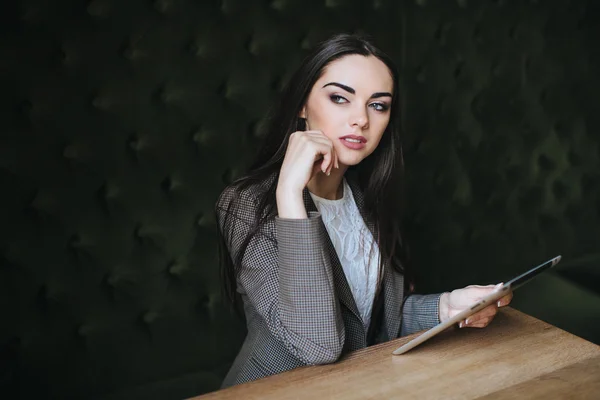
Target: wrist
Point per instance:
(287, 192)
(443, 307)
(290, 203)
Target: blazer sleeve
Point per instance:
(419, 312)
(286, 276)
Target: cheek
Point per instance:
(326, 117)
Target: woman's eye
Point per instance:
(380, 106)
(337, 99)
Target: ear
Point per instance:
(302, 113)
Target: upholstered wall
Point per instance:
(122, 121)
(503, 149)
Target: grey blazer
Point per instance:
(298, 305)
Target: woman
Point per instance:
(311, 234)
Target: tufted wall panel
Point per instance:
(122, 121)
(501, 116)
(503, 149)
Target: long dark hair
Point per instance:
(379, 176)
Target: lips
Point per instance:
(354, 142)
(354, 139)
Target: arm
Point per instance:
(422, 312)
(419, 312)
(287, 278)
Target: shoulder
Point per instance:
(243, 209)
(244, 195)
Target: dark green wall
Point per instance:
(122, 121)
(503, 150)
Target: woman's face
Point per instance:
(350, 103)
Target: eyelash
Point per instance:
(382, 107)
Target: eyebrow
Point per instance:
(348, 89)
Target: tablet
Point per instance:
(489, 299)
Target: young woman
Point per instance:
(311, 234)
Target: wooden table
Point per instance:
(517, 356)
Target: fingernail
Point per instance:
(328, 173)
(467, 321)
(460, 325)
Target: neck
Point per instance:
(328, 187)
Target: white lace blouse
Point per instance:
(353, 243)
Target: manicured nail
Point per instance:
(460, 325)
(467, 321)
(328, 173)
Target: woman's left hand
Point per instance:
(458, 300)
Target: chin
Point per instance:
(350, 161)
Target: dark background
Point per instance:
(123, 120)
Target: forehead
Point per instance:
(362, 73)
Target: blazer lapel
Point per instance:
(390, 285)
(341, 283)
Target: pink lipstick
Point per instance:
(354, 142)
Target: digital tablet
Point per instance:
(489, 299)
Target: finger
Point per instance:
(333, 159)
(487, 312)
(324, 149)
(316, 168)
(486, 287)
(325, 165)
(318, 136)
(480, 324)
(314, 132)
(504, 301)
(475, 293)
(481, 288)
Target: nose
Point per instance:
(360, 118)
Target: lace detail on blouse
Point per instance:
(353, 243)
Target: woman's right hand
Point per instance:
(308, 153)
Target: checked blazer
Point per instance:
(298, 305)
